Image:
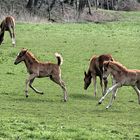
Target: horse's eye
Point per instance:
(20, 55)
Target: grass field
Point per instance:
(43, 117)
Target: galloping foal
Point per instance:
(37, 69)
(122, 77)
(95, 69)
(8, 24)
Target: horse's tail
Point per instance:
(59, 59)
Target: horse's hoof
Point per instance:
(65, 100)
(99, 102)
(42, 93)
(26, 96)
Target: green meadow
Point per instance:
(44, 117)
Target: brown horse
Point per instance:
(95, 69)
(37, 69)
(8, 24)
(122, 76)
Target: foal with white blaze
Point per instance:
(37, 69)
(122, 77)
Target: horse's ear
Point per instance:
(24, 51)
(107, 64)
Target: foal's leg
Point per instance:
(101, 84)
(115, 90)
(59, 81)
(94, 84)
(32, 76)
(138, 92)
(112, 98)
(105, 86)
(12, 35)
(30, 84)
(13, 39)
(108, 91)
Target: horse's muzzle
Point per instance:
(104, 78)
(15, 63)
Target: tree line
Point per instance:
(78, 5)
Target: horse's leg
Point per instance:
(101, 84)
(32, 76)
(108, 91)
(11, 35)
(61, 83)
(112, 98)
(115, 90)
(30, 85)
(105, 86)
(138, 92)
(94, 84)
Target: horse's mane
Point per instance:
(93, 58)
(117, 66)
(31, 55)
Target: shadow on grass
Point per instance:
(37, 100)
(83, 97)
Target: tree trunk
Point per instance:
(89, 7)
(62, 7)
(30, 4)
(96, 4)
(107, 5)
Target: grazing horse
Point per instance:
(122, 76)
(8, 24)
(37, 69)
(95, 69)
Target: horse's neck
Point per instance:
(89, 73)
(29, 61)
(115, 70)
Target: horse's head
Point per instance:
(20, 57)
(106, 71)
(87, 80)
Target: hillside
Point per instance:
(19, 10)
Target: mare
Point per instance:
(8, 24)
(122, 77)
(37, 69)
(96, 69)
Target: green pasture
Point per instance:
(44, 117)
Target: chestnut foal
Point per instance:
(8, 24)
(95, 69)
(37, 69)
(122, 76)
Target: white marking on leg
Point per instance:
(138, 92)
(112, 98)
(108, 91)
(13, 41)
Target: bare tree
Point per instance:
(30, 4)
(83, 4)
